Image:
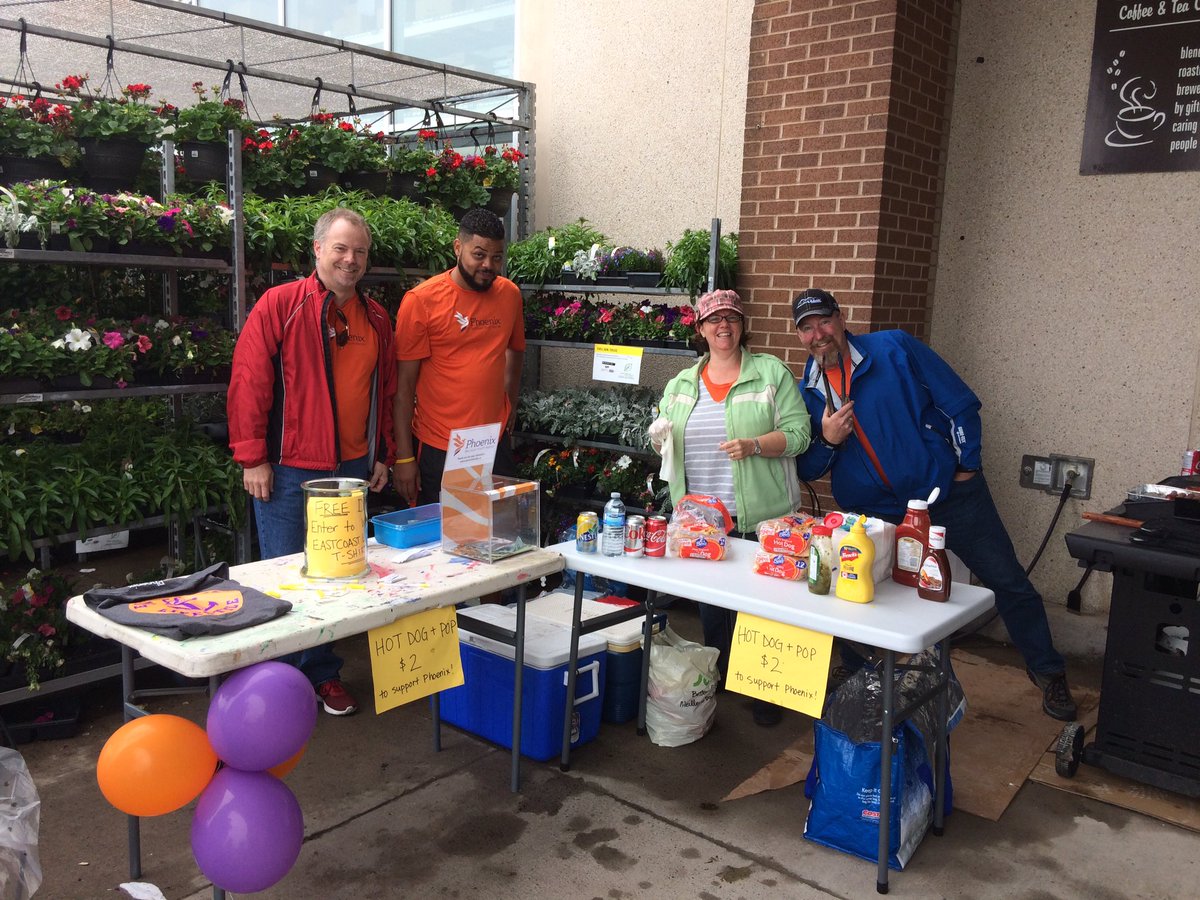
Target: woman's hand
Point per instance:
(739, 448)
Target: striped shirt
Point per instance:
(708, 470)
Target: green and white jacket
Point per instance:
(763, 399)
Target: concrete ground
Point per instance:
(386, 816)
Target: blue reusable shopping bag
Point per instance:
(843, 785)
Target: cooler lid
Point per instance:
(547, 644)
(559, 605)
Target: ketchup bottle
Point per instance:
(934, 580)
(912, 543)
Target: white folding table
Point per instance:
(324, 611)
(897, 621)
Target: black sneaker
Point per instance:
(1057, 701)
(766, 715)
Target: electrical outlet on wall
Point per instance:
(1049, 474)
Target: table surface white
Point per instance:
(324, 611)
(897, 619)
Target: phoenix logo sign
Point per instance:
(462, 321)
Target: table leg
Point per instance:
(133, 823)
(572, 662)
(940, 748)
(518, 688)
(647, 636)
(885, 768)
(435, 710)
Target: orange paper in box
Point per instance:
(780, 565)
(468, 500)
(787, 534)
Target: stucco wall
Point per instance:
(1067, 302)
(639, 113)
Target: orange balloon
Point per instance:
(288, 764)
(155, 764)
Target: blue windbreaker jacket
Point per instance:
(921, 419)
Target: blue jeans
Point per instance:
(280, 523)
(976, 534)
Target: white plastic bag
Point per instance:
(681, 698)
(20, 817)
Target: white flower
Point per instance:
(12, 429)
(191, 354)
(225, 214)
(176, 341)
(162, 325)
(624, 462)
(59, 344)
(646, 308)
(85, 409)
(20, 451)
(77, 339)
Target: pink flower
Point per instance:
(688, 317)
(606, 316)
(143, 343)
(47, 630)
(122, 383)
(113, 340)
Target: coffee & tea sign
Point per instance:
(1143, 111)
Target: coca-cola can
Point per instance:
(635, 535)
(1191, 463)
(656, 535)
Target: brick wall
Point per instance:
(846, 122)
(845, 119)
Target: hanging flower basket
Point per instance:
(111, 165)
(23, 168)
(403, 186)
(318, 177)
(375, 183)
(204, 160)
(500, 200)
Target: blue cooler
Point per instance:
(624, 642)
(483, 705)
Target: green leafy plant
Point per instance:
(33, 623)
(37, 127)
(541, 256)
(687, 262)
(210, 118)
(128, 116)
(451, 183)
(338, 144)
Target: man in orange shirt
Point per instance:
(460, 342)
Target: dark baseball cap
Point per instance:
(813, 302)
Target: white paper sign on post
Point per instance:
(615, 363)
(473, 448)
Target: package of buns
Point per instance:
(787, 534)
(698, 527)
(780, 565)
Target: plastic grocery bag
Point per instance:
(20, 818)
(681, 700)
(843, 786)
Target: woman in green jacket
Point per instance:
(736, 422)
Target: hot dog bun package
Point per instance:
(788, 534)
(698, 526)
(780, 565)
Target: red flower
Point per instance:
(431, 172)
(345, 126)
(72, 83)
(489, 150)
(427, 134)
(47, 630)
(143, 343)
(63, 314)
(136, 91)
(235, 104)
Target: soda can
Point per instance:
(635, 536)
(1191, 463)
(656, 535)
(587, 528)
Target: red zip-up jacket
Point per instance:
(281, 397)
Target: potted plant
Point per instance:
(114, 132)
(686, 266)
(322, 148)
(682, 326)
(201, 132)
(37, 139)
(365, 163)
(33, 625)
(452, 185)
(500, 174)
(640, 268)
(407, 166)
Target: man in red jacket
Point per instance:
(311, 397)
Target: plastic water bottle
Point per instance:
(613, 543)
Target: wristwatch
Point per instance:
(757, 448)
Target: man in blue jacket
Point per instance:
(903, 423)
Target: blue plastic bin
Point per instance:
(483, 705)
(409, 527)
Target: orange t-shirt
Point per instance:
(717, 391)
(460, 337)
(835, 380)
(353, 371)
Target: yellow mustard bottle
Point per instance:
(856, 556)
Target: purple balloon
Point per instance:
(247, 830)
(261, 716)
